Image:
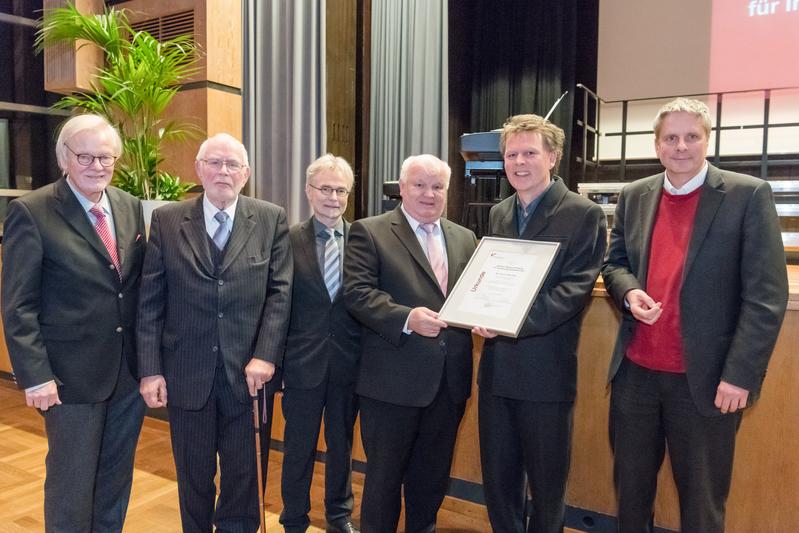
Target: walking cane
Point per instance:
(257, 419)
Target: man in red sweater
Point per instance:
(696, 263)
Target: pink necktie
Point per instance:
(104, 232)
(436, 256)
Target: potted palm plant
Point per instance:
(133, 88)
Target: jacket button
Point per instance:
(119, 329)
(215, 349)
(220, 315)
(442, 343)
(221, 282)
(120, 295)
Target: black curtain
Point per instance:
(518, 56)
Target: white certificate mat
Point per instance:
(498, 286)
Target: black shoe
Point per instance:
(342, 525)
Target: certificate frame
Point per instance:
(499, 284)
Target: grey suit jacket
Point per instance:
(734, 286)
(67, 316)
(188, 312)
(541, 364)
(386, 274)
(324, 340)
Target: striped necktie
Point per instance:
(104, 232)
(221, 233)
(331, 271)
(436, 256)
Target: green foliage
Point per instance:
(132, 90)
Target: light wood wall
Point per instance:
(765, 486)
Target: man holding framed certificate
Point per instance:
(415, 373)
(528, 384)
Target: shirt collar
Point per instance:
(690, 186)
(319, 228)
(88, 204)
(415, 223)
(210, 209)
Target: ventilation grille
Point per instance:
(168, 26)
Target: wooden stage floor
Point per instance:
(154, 498)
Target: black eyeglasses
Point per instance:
(327, 190)
(87, 160)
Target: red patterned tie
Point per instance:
(104, 232)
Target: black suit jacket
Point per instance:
(324, 340)
(541, 364)
(734, 287)
(67, 316)
(188, 312)
(386, 274)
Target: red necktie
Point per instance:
(104, 232)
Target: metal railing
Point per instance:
(589, 123)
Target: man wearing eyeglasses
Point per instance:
(322, 354)
(213, 315)
(72, 256)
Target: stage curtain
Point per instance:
(409, 87)
(284, 97)
(523, 55)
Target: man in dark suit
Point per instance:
(72, 256)
(697, 267)
(528, 384)
(322, 353)
(213, 314)
(415, 373)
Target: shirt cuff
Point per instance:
(405, 329)
(40, 386)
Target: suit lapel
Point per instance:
(124, 227)
(545, 209)
(506, 219)
(73, 213)
(243, 226)
(454, 254)
(403, 231)
(709, 202)
(307, 251)
(648, 206)
(193, 229)
(346, 231)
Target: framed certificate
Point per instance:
(499, 284)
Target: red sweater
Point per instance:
(659, 346)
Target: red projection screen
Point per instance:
(754, 44)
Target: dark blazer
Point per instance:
(735, 285)
(386, 274)
(67, 316)
(188, 313)
(323, 339)
(541, 364)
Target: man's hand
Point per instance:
(44, 397)
(643, 308)
(730, 398)
(425, 322)
(258, 372)
(483, 332)
(153, 390)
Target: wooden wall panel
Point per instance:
(70, 68)
(223, 43)
(765, 485)
(179, 155)
(139, 10)
(341, 53)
